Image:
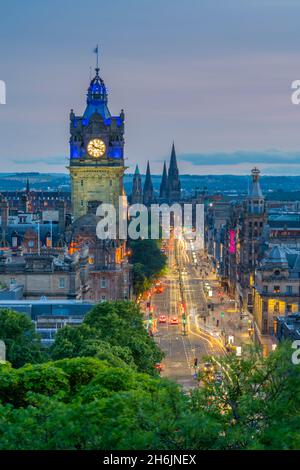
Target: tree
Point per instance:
(109, 408)
(18, 333)
(120, 324)
(84, 341)
(148, 263)
(111, 331)
(257, 403)
(140, 281)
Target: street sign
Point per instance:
(222, 314)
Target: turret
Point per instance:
(137, 191)
(148, 188)
(174, 186)
(163, 191)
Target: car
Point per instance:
(162, 319)
(159, 289)
(174, 321)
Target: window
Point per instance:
(265, 289)
(110, 182)
(103, 298)
(13, 280)
(81, 203)
(81, 183)
(289, 289)
(61, 282)
(103, 283)
(276, 289)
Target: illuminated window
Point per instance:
(276, 289)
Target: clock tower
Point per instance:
(96, 151)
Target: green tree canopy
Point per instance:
(18, 333)
(148, 263)
(113, 331)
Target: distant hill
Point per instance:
(225, 184)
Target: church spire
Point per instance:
(163, 192)
(27, 187)
(174, 186)
(173, 161)
(148, 187)
(137, 191)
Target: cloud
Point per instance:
(270, 157)
(56, 160)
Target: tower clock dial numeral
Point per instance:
(96, 148)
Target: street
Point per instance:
(182, 347)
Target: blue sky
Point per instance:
(215, 76)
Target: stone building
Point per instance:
(50, 275)
(276, 287)
(109, 270)
(250, 240)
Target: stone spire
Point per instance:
(255, 198)
(174, 186)
(163, 191)
(148, 188)
(137, 191)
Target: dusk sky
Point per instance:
(215, 76)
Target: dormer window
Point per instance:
(277, 272)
